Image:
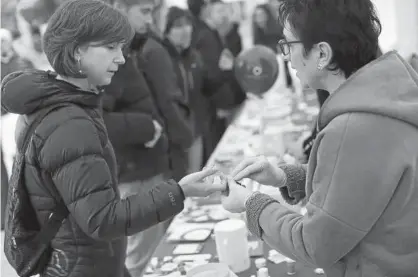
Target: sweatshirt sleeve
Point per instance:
(294, 190)
(344, 204)
(83, 178)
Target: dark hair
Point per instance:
(78, 22)
(272, 27)
(196, 6)
(174, 13)
(351, 28)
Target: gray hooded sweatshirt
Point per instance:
(361, 181)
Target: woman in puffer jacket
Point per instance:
(71, 150)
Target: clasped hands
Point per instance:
(234, 194)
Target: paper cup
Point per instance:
(231, 237)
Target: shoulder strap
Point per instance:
(53, 223)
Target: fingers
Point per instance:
(249, 171)
(242, 165)
(219, 184)
(206, 172)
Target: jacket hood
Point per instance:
(25, 92)
(387, 86)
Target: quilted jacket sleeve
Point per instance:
(83, 178)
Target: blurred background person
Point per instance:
(10, 60)
(192, 77)
(267, 31)
(228, 27)
(159, 148)
(178, 36)
(8, 17)
(31, 18)
(135, 128)
(219, 61)
(155, 62)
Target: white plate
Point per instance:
(197, 235)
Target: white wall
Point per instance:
(399, 25)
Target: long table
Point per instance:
(242, 138)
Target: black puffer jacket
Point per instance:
(71, 148)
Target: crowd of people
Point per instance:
(131, 113)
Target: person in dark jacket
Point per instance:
(178, 33)
(233, 39)
(10, 61)
(141, 147)
(134, 125)
(159, 72)
(267, 31)
(266, 28)
(70, 147)
(155, 62)
(226, 92)
(192, 78)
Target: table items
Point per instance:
(274, 125)
(211, 270)
(291, 266)
(263, 272)
(231, 238)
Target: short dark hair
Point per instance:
(76, 23)
(351, 28)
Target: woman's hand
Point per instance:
(236, 197)
(261, 170)
(202, 183)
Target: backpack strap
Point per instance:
(54, 221)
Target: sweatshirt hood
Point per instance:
(387, 86)
(25, 92)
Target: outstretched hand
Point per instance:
(202, 183)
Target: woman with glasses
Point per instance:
(361, 181)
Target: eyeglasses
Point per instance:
(285, 45)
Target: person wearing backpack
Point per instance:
(64, 214)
